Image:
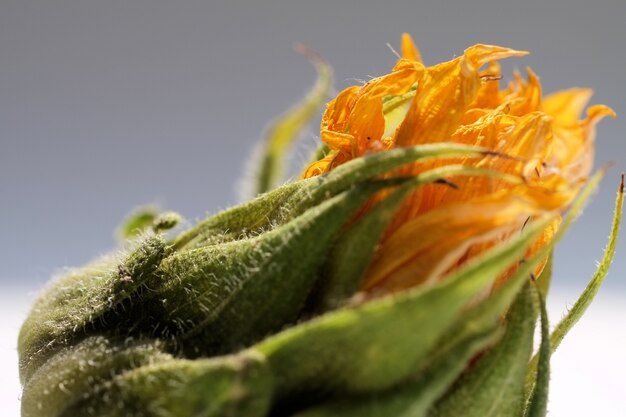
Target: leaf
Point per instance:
(537, 403)
(238, 221)
(370, 166)
(587, 296)
(374, 346)
(238, 385)
(219, 298)
(585, 299)
(444, 364)
(289, 201)
(285, 130)
(75, 372)
(494, 387)
(414, 397)
(138, 222)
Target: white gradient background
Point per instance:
(108, 105)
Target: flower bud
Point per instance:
(402, 275)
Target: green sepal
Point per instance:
(285, 130)
(239, 385)
(445, 363)
(373, 346)
(76, 303)
(285, 203)
(218, 298)
(587, 296)
(239, 221)
(370, 166)
(494, 387)
(74, 373)
(353, 252)
(415, 396)
(537, 394)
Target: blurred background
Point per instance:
(106, 106)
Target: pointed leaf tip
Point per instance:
(269, 164)
(538, 379)
(587, 296)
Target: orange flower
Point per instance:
(438, 228)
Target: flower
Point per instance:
(438, 228)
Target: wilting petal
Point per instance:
(444, 95)
(526, 95)
(438, 227)
(488, 96)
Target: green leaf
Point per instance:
(414, 397)
(219, 298)
(138, 222)
(376, 345)
(587, 296)
(537, 403)
(238, 385)
(289, 201)
(585, 299)
(77, 303)
(239, 221)
(494, 387)
(444, 364)
(75, 372)
(286, 129)
(366, 167)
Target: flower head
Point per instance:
(438, 228)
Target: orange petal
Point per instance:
(338, 141)
(489, 93)
(318, 167)
(527, 95)
(424, 248)
(566, 106)
(367, 122)
(338, 110)
(444, 95)
(409, 50)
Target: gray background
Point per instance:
(108, 105)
